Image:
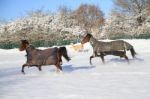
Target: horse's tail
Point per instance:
(62, 51)
(133, 53)
(131, 48)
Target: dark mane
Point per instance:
(25, 42)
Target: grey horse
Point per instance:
(117, 47)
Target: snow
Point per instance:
(79, 80)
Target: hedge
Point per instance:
(123, 36)
(40, 43)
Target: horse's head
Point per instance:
(86, 38)
(24, 44)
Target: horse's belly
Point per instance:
(35, 62)
(51, 60)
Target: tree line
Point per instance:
(128, 19)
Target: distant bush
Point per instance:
(40, 43)
(124, 36)
(121, 37)
(43, 43)
(8, 45)
(143, 36)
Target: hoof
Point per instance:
(61, 63)
(91, 63)
(22, 72)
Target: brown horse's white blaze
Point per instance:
(38, 58)
(117, 47)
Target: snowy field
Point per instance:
(79, 80)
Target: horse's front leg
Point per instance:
(94, 54)
(126, 57)
(58, 66)
(23, 66)
(102, 57)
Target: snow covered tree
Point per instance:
(136, 8)
(129, 19)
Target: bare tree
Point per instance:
(64, 10)
(65, 13)
(89, 16)
(37, 13)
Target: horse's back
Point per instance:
(110, 46)
(117, 45)
(49, 51)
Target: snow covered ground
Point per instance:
(114, 80)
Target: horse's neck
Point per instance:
(29, 49)
(93, 41)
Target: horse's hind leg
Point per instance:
(60, 61)
(102, 57)
(23, 66)
(125, 56)
(39, 67)
(59, 68)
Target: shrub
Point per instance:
(39, 43)
(123, 36)
(8, 45)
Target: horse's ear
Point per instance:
(21, 41)
(24, 41)
(89, 35)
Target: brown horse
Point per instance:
(117, 47)
(38, 58)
